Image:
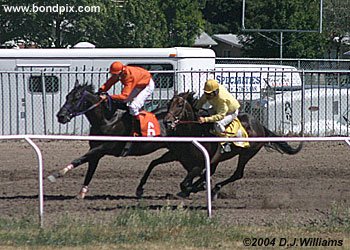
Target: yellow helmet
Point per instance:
(211, 85)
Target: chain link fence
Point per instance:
(310, 102)
(306, 64)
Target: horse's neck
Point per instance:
(192, 115)
(189, 129)
(192, 129)
(117, 124)
(96, 117)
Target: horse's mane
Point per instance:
(85, 87)
(90, 88)
(203, 129)
(189, 96)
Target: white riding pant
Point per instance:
(138, 97)
(220, 126)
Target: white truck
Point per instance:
(316, 110)
(250, 81)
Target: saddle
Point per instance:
(149, 125)
(236, 129)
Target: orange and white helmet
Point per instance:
(116, 68)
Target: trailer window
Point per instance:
(161, 80)
(51, 84)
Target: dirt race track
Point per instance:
(299, 190)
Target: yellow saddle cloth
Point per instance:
(236, 129)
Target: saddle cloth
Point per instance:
(236, 129)
(149, 124)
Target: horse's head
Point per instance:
(180, 108)
(78, 101)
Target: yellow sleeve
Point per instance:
(221, 111)
(201, 101)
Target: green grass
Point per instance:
(161, 229)
(132, 226)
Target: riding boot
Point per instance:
(136, 126)
(135, 131)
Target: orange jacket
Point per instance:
(132, 77)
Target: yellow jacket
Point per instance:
(223, 104)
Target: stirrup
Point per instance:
(225, 147)
(212, 131)
(135, 134)
(126, 149)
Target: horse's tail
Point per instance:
(281, 146)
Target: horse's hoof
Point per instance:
(83, 191)
(214, 196)
(59, 174)
(170, 196)
(53, 177)
(80, 196)
(183, 194)
(139, 193)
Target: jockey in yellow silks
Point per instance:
(226, 108)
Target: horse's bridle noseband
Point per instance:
(73, 113)
(177, 120)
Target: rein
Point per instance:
(187, 122)
(88, 109)
(177, 119)
(91, 107)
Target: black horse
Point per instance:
(106, 118)
(181, 120)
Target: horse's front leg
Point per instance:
(88, 177)
(186, 184)
(75, 163)
(238, 174)
(200, 184)
(167, 157)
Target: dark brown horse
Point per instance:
(106, 118)
(181, 121)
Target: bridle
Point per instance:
(80, 102)
(177, 120)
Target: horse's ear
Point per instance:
(76, 83)
(175, 92)
(192, 95)
(186, 94)
(86, 83)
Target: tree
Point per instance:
(12, 24)
(143, 25)
(184, 21)
(46, 25)
(287, 14)
(222, 16)
(336, 25)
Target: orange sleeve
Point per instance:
(129, 85)
(110, 82)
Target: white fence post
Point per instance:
(207, 166)
(41, 186)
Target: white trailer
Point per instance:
(34, 82)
